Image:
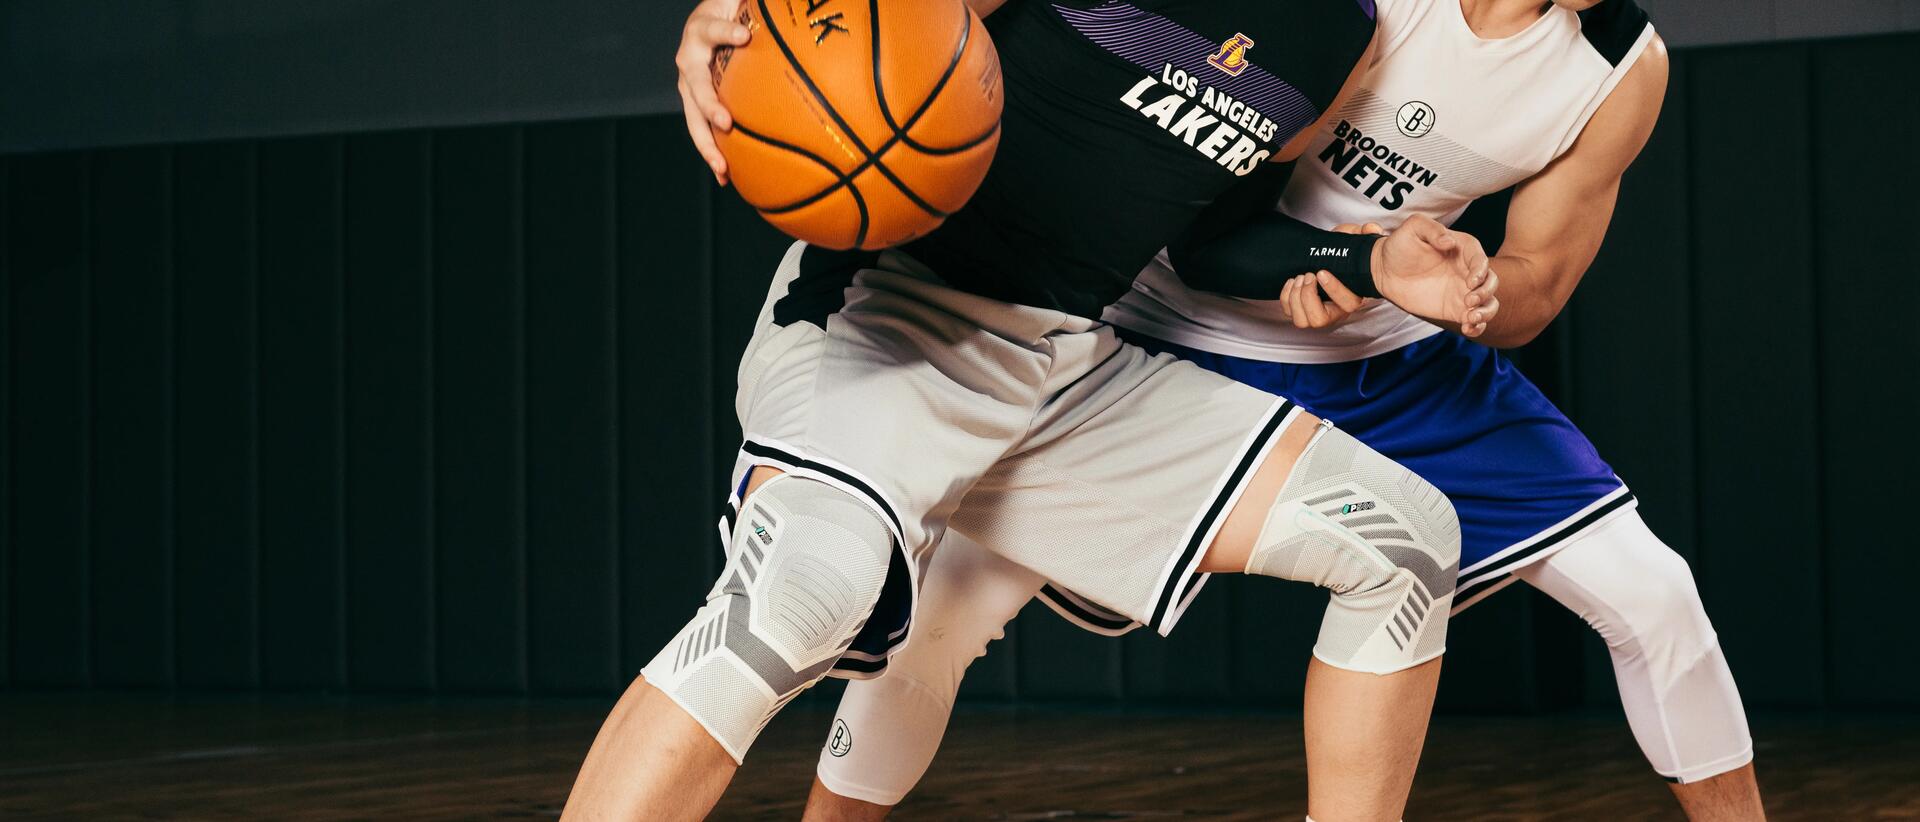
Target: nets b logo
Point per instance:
(1232, 56)
(842, 739)
(1415, 119)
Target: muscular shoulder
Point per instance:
(1635, 102)
(1625, 120)
(1614, 28)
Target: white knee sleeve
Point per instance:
(1380, 538)
(804, 570)
(888, 729)
(1675, 685)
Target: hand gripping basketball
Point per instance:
(709, 29)
(847, 123)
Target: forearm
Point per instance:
(1529, 300)
(1254, 260)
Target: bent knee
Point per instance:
(815, 559)
(1396, 513)
(1383, 540)
(1634, 590)
(1663, 613)
(1435, 524)
(806, 565)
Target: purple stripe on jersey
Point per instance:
(1150, 41)
(1367, 6)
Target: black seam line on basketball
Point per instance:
(900, 132)
(859, 202)
(758, 450)
(1557, 537)
(880, 96)
(1215, 511)
(844, 181)
(1055, 596)
(873, 159)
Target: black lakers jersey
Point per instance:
(1123, 119)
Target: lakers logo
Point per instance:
(1232, 56)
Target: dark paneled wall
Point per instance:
(450, 410)
(195, 70)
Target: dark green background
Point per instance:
(448, 410)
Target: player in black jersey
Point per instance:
(962, 381)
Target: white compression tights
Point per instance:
(1679, 694)
(1674, 682)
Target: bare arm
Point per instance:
(1559, 216)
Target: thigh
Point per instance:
(1523, 479)
(863, 382)
(1127, 478)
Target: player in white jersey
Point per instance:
(1464, 99)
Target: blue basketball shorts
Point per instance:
(1523, 479)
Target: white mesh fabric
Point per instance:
(1026, 513)
(727, 700)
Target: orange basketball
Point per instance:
(859, 123)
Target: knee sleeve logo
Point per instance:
(842, 739)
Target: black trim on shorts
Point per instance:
(1471, 585)
(769, 452)
(860, 666)
(1070, 604)
(1196, 541)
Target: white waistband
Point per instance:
(1161, 306)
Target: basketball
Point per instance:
(859, 123)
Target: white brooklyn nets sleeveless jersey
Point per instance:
(1441, 118)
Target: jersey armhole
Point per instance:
(1616, 29)
(1629, 58)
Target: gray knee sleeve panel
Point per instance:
(1383, 541)
(804, 569)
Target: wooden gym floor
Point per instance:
(137, 756)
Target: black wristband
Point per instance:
(1356, 271)
(1256, 258)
